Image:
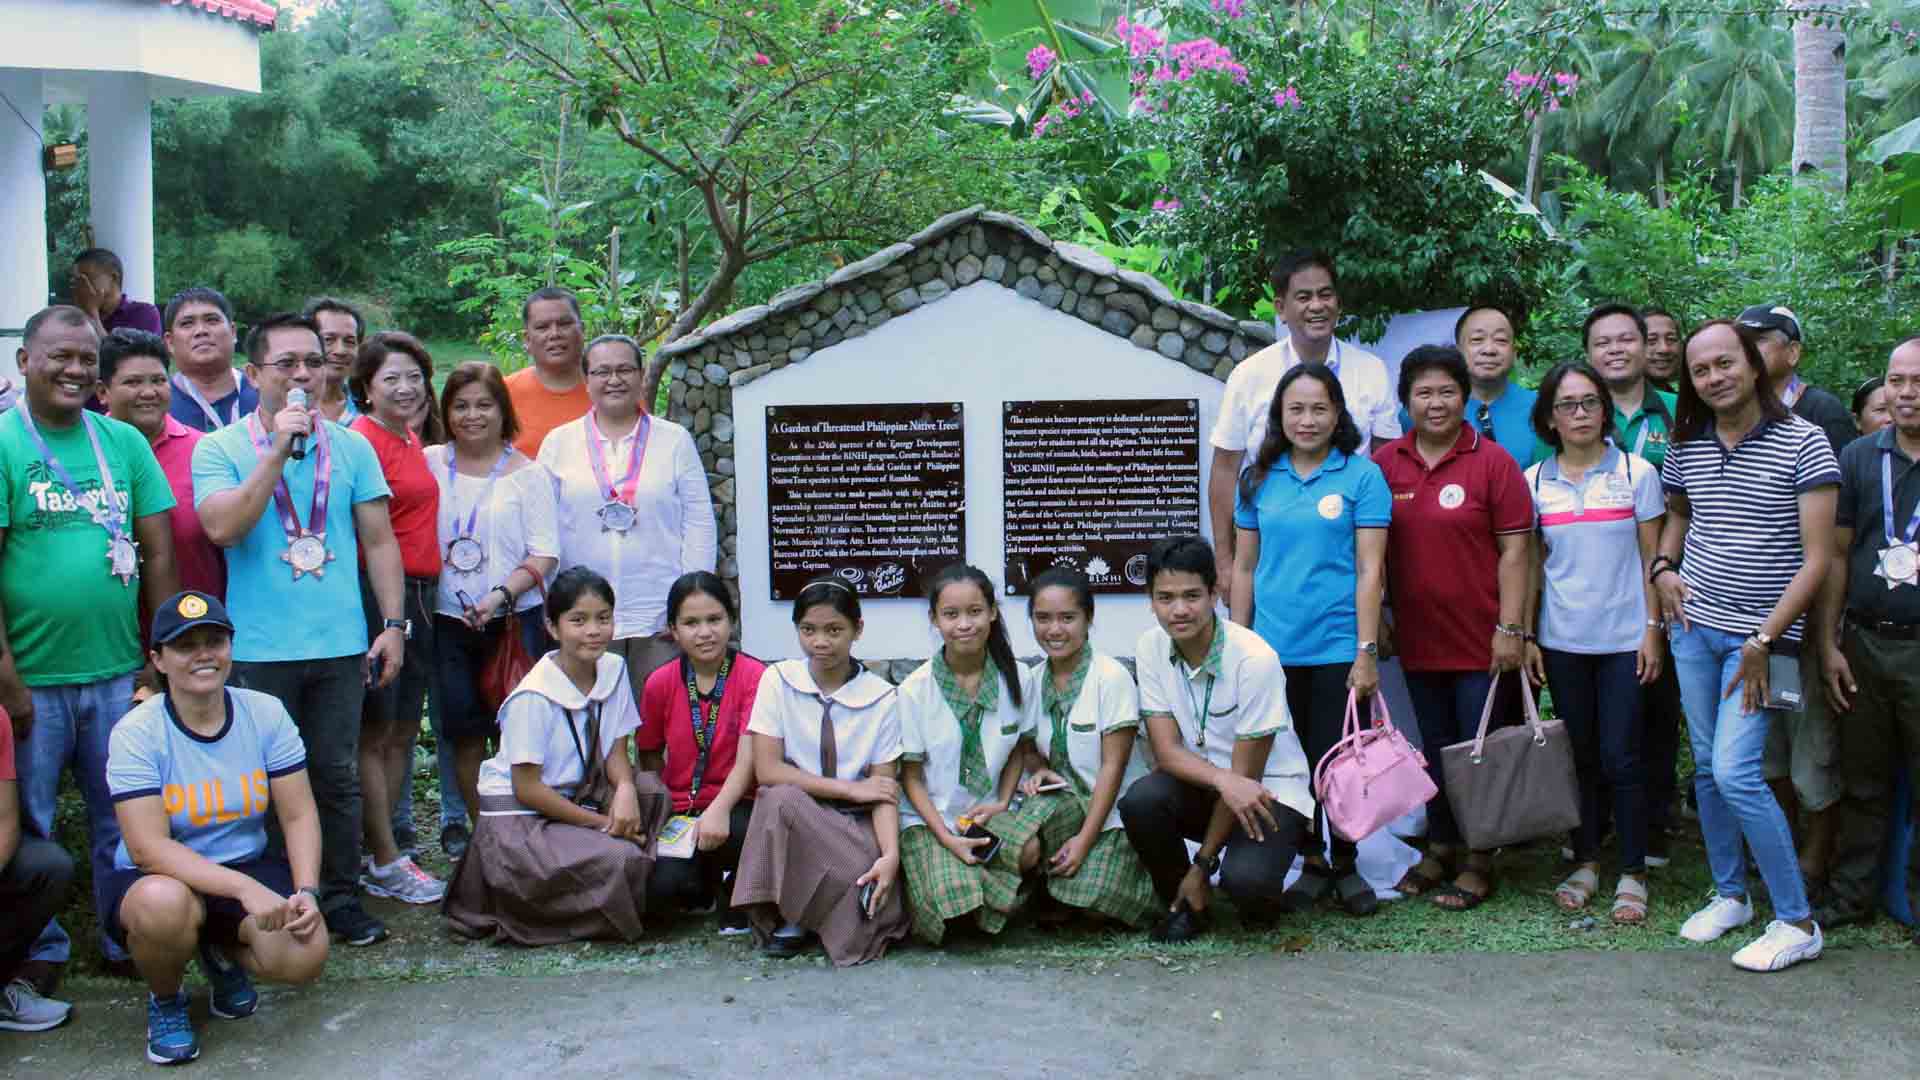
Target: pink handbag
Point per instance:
(1372, 775)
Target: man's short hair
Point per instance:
(1189, 554)
(198, 294)
(327, 303)
(1652, 310)
(104, 259)
(59, 314)
(1460, 323)
(128, 342)
(1299, 259)
(1608, 311)
(550, 292)
(285, 320)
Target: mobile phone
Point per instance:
(983, 854)
(866, 899)
(1060, 785)
(375, 668)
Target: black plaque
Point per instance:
(873, 494)
(1092, 485)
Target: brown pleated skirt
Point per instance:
(534, 881)
(799, 865)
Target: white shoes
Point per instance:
(1722, 913)
(1781, 947)
(403, 881)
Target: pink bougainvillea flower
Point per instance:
(761, 59)
(1141, 41)
(1232, 9)
(1041, 125)
(1039, 61)
(1288, 98)
(1165, 206)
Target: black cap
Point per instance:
(184, 611)
(1771, 317)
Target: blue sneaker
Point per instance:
(170, 1037)
(234, 997)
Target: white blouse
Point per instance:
(518, 519)
(866, 722)
(1108, 702)
(930, 734)
(544, 722)
(673, 534)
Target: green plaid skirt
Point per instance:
(1110, 881)
(941, 887)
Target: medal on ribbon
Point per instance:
(617, 513)
(123, 555)
(307, 551)
(1899, 561)
(464, 553)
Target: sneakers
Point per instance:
(22, 1008)
(1722, 913)
(734, 922)
(1781, 947)
(454, 840)
(234, 997)
(170, 1037)
(403, 880)
(350, 923)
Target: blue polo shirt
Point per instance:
(1511, 417)
(1303, 584)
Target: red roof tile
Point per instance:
(257, 12)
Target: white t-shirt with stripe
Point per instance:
(1592, 599)
(1743, 542)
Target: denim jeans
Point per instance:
(1599, 699)
(324, 698)
(71, 725)
(1447, 706)
(1735, 801)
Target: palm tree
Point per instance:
(1637, 69)
(1741, 88)
(1819, 100)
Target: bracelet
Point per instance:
(1656, 624)
(1511, 630)
(1665, 568)
(506, 592)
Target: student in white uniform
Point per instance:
(563, 849)
(1230, 772)
(961, 725)
(822, 854)
(1084, 713)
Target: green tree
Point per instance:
(1742, 85)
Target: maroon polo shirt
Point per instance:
(135, 314)
(1443, 562)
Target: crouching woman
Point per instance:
(193, 771)
(565, 839)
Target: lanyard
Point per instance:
(1792, 391)
(106, 509)
(322, 481)
(1205, 705)
(474, 514)
(705, 722)
(1886, 504)
(637, 453)
(185, 386)
(592, 715)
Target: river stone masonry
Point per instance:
(961, 249)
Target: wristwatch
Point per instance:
(1371, 648)
(405, 626)
(1763, 640)
(1208, 864)
(310, 891)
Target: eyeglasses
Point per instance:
(1484, 421)
(1575, 406)
(286, 366)
(624, 373)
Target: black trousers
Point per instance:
(33, 888)
(1317, 699)
(1161, 812)
(688, 884)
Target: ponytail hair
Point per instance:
(999, 646)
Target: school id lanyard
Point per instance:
(185, 386)
(1205, 705)
(706, 723)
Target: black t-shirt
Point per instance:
(1829, 414)
(1867, 595)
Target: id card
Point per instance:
(677, 837)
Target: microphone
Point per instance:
(297, 398)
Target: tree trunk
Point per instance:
(1533, 157)
(1739, 179)
(1660, 181)
(1819, 101)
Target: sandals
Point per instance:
(1572, 894)
(1416, 883)
(1307, 890)
(1454, 896)
(1629, 902)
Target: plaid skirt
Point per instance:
(941, 887)
(1111, 882)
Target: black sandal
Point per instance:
(1312, 886)
(1355, 895)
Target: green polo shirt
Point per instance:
(1648, 432)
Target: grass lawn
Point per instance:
(1521, 918)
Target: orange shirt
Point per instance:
(540, 410)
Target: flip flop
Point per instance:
(1629, 902)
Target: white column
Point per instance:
(23, 212)
(120, 174)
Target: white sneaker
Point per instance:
(23, 1009)
(1781, 947)
(403, 880)
(1722, 913)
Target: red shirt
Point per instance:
(1443, 563)
(199, 561)
(666, 723)
(415, 506)
(6, 747)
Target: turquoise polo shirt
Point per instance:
(1511, 417)
(1303, 584)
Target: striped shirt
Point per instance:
(1743, 541)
